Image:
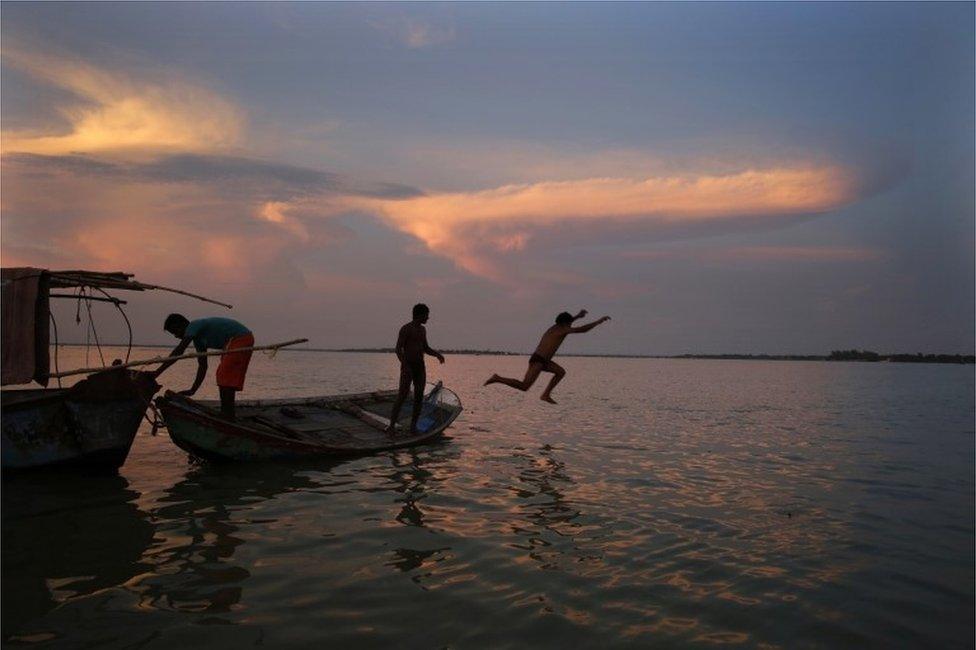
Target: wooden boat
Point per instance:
(91, 424)
(334, 425)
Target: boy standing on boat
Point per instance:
(411, 346)
(541, 359)
(214, 334)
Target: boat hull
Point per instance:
(198, 429)
(90, 425)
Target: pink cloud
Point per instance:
(478, 230)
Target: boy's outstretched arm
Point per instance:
(177, 351)
(201, 374)
(588, 326)
(431, 351)
(434, 353)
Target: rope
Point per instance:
(91, 324)
(55, 324)
(156, 421)
(128, 325)
(87, 331)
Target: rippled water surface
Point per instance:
(662, 503)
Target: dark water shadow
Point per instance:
(64, 537)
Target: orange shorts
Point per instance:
(233, 367)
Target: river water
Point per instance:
(662, 503)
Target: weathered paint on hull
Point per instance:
(92, 426)
(207, 442)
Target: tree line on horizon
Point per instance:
(835, 355)
(918, 357)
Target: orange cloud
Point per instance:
(475, 229)
(117, 111)
(276, 212)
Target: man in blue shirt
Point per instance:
(213, 334)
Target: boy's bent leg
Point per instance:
(525, 384)
(557, 375)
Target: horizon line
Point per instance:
(622, 355)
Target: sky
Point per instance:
(781, 178)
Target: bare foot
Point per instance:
(547, 398)
(491, 380)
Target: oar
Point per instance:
(192, 355)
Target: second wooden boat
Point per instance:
(333, 425)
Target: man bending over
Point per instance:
(213, 334)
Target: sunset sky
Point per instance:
(755, 177)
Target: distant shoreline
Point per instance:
(848, 355)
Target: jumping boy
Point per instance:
(411, 346)
(541, 359)
(215, 334)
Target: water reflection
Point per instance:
(416, 473)
(410, 478)
(408, 559)
(550, 522)
(204, 515)
(61, 543)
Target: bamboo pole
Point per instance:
(113, 281)
(184, 293)
(192, 355)
(75, 296)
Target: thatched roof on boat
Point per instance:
(25, 294)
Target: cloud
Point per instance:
(276, 212)
(148, 173)
(416, 33)
(479, 230)
(259, 179)
(799, 254)
(785, 254)
(118, 111)
(105, 214)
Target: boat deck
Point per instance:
(341, 423)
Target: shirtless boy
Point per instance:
(411, 346)
(541, 359)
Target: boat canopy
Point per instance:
(25, 294)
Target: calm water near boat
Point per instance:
(662, 503)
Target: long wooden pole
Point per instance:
(113, 281)
(192, 355)
(186, 293)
